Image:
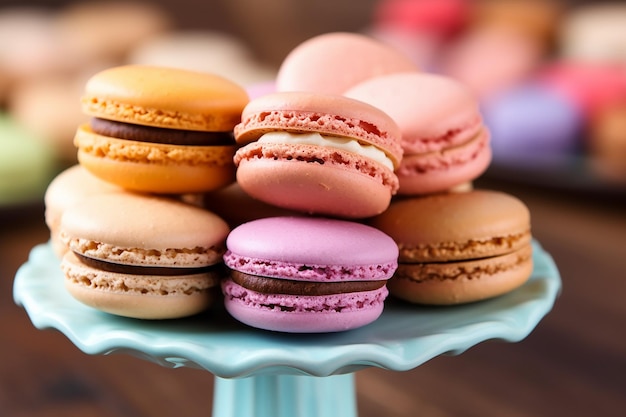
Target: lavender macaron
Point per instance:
(307, 274)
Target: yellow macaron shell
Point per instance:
(165, 97)
(154, 167)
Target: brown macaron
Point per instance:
(458, 247)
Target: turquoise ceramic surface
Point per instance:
(404, 337)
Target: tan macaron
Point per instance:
(68, 188)
(142, 256)
(458, 247)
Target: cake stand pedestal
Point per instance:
(274, 374)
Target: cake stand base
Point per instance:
(285, 395)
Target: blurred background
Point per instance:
(551, 79)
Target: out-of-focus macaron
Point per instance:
(532, 121)
(307, 274)
(205, 51)
(141, 256)
(50, 106)
(161, 130)
(68, 188)
(606, 142)
(458, 247)
(261, 88)
(318, 153)
(490, 59)
(589, 85)
(443, 137)
(27, 163)
(440, 18)
(594, 32)
(333, 62)
(32, 46)
(108, 31)
(536, 19)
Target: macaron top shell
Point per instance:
(164, 97)
(151, 225)
(334, 62)
(327, 114)
(451, 226)
(432, 111)
(297, 246)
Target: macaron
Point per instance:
(27, 163)
(593, 32)
(160, 130)
(109, 30)
(141, 256)
(490, 59)
(458, 248)
(333, 62)
(441, 18)
(307, 274)
(66, 189)
(318, 153)
(50, 107)
(588, 85)
(210, 51)
(443, 137)
(532, 121)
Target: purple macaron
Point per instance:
(307, 274)
(532, 121)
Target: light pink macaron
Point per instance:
(307, 274)
(444, 139)
(318, 153)
(333, 62)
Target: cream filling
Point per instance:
(344, 144)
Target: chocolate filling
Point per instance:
(143, 270)
(267, 285)
(162, 135)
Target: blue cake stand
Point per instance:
(265, 373)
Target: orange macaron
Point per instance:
(160, 130)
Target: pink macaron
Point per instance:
(444, 139)
(307, 274)
(333, 62)
(318, 154)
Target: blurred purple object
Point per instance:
(532, 121)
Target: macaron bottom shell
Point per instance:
(139, 296)
(459, 282)
(313, 188)
(156, 178)
(303, 314)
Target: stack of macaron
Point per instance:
(299, 204)
(456, 244)
(134, 224)
(306, 146)
(130, 244)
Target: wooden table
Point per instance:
(573, 364)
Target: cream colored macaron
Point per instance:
(67, 189)
(142, 256)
